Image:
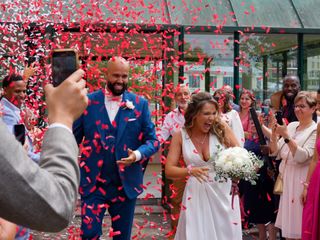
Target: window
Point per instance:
(276, 52)
(201, 47)
(228, 81)
(213, 82)
(311, 58)
(194, 81)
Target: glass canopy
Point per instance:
(292, 14)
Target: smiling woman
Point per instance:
(295, 147)
(205, 199)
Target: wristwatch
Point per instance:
(287, 140)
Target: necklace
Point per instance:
(203, 139)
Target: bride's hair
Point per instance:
(194, 107)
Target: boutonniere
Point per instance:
(127, 104)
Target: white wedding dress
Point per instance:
(206, 213)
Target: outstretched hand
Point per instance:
(128, 160)
(29, 71)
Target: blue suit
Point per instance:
(102, 182)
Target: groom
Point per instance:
(118, 138)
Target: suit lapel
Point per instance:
(102, 116)
(123, 115)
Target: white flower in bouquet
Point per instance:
(237, 163)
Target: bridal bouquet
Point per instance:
(237, 163)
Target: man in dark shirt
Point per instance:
(284, 101)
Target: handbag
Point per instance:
(278, 185)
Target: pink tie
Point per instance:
(112, 98)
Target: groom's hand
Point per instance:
(128, 160)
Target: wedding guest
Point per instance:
(229, 90)
(173, 121)
(229, 115)
(295, 147)
(318, 106)
(311, 196)
(284, 100)
(14, 95)
(12, 101)
(258, 199)
(42, 197)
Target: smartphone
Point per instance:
(64, 63)
(279, 117)
(265, 110)
(19, 131)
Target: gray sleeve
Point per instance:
(39, 197)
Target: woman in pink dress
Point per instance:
(311, 197)
(295, 148)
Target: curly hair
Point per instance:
(194, 107)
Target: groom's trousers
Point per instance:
(120, 208)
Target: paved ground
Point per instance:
(150, 223)
(151, 220)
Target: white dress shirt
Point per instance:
(112, 104)
(173, 121)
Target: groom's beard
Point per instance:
(117, 92)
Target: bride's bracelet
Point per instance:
(189, 167)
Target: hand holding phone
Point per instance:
(19, 131)
(279, 117)
(265, 110)
(64, 63)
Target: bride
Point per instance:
(206, 211)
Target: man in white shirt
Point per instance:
(173, 121)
